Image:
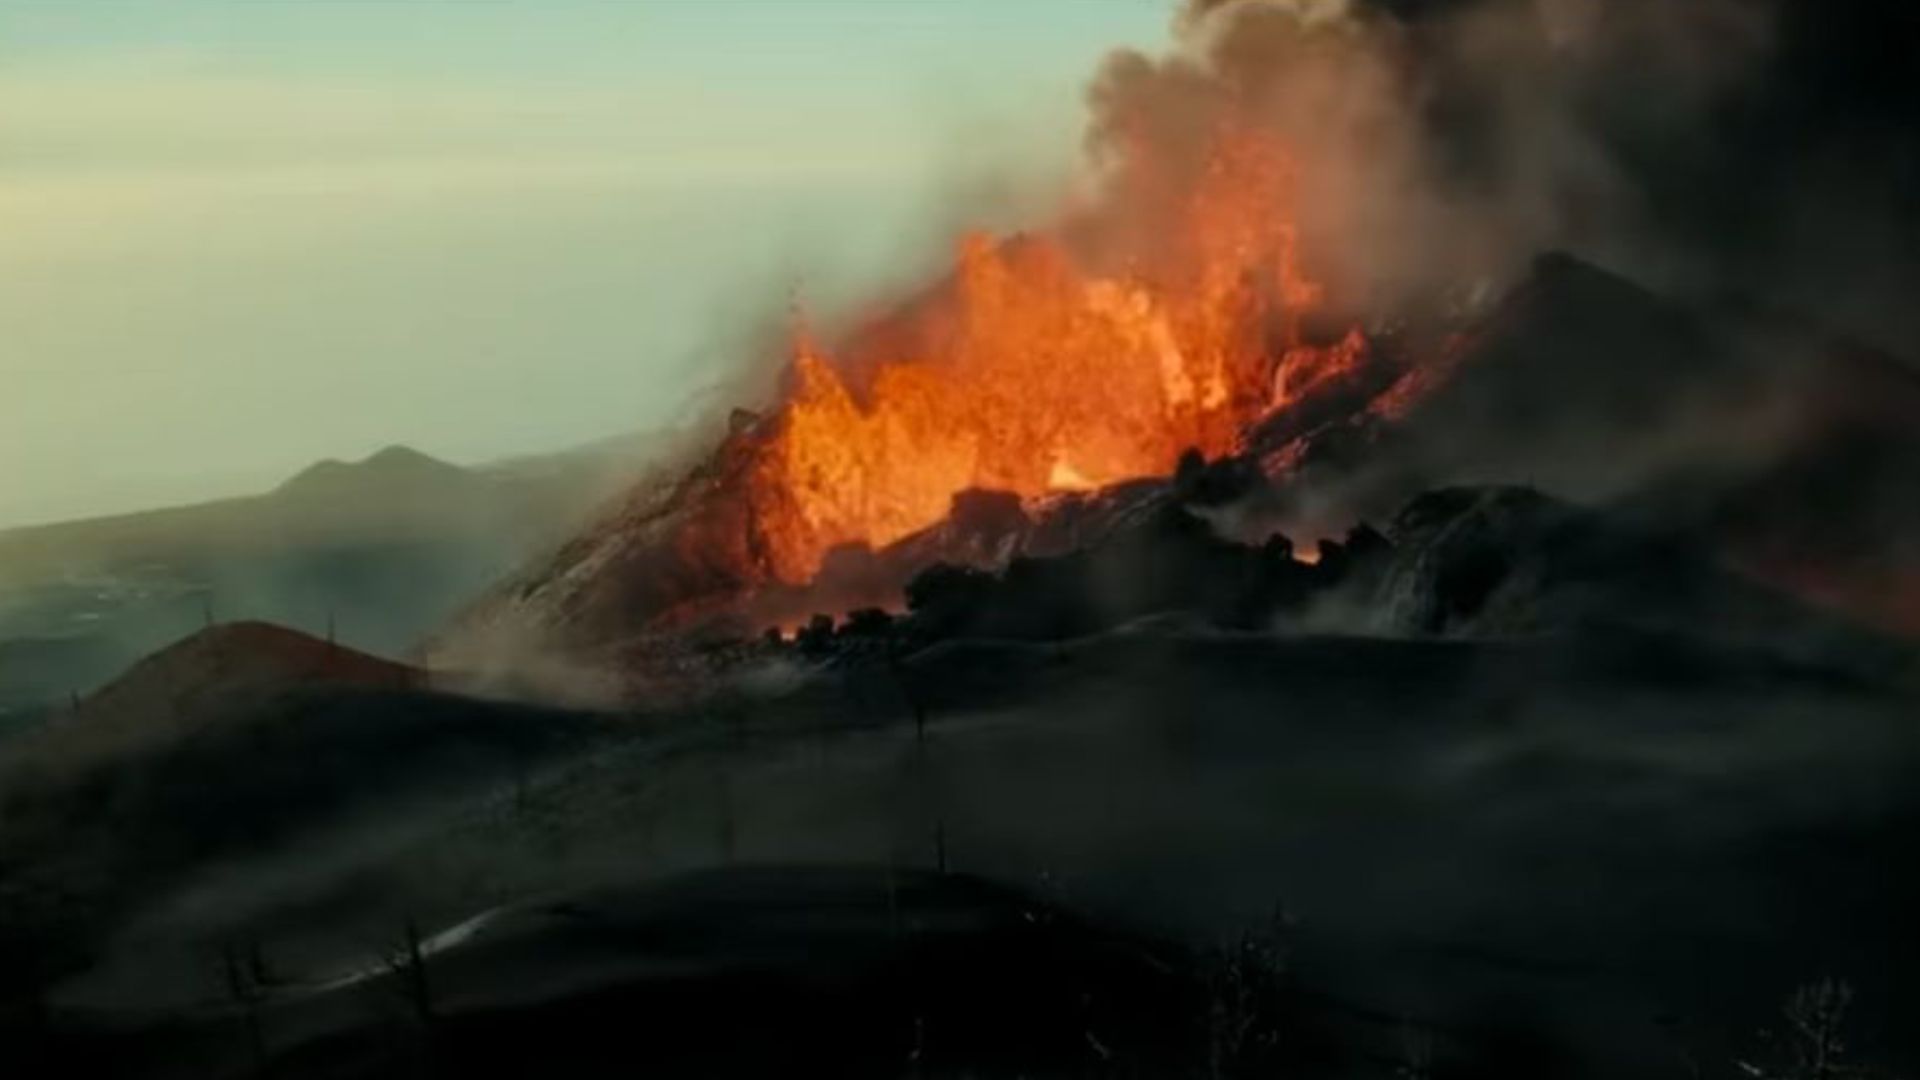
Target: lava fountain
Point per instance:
(1035, 372)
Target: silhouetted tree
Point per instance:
(406, 962)
(1416, 1053)
(1247, 1000)
(728, 826)
(1811, 1045)
(244, 971)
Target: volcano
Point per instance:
(1045, 365)
(1713, 420)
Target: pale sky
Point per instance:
(239, 236)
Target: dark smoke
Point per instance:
(1769, 147)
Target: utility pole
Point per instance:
(729, 828)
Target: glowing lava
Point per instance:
(1031, 374)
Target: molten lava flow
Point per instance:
(1029, 374)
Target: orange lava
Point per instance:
(1032, 374)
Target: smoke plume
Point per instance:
(1699, 146)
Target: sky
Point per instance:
(241, 236)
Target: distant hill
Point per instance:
(395, 494)
(381, 549)
(396, 470)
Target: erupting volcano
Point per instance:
(1168, 312)
(1037, 371)
(1404, 563)
(1184, 334)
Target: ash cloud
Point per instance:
(1762, 146)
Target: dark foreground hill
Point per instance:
(758, 971)
(1595, 853)
(241, 741)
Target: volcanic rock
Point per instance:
(1199, 482)
(1508, 562)
(1166, 561)
(1764, 437)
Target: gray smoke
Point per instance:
(1702, 147)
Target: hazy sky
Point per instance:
(238, 236)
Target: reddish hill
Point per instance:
(223, 665)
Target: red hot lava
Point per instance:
(1034, 374)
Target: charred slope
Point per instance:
(661, 555)
(826, 970)
(1569, 382)
(1527, 850)
(1761, 437)
(1827, 508)
(241, 741)
(1577, 381)
(1511, 562)
(1487, 563)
